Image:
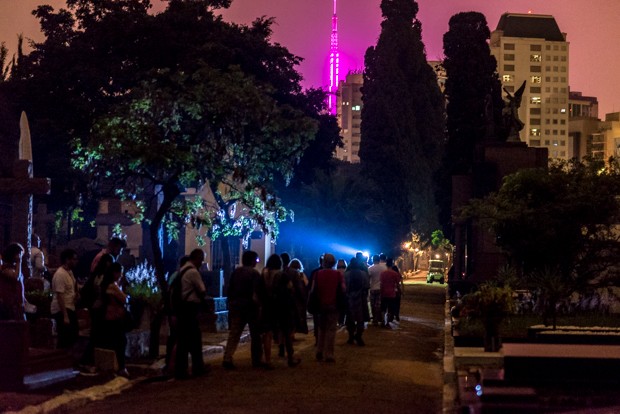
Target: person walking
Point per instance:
(300, 285)
(286, 312)
(266, 293)
(171, 315)
(243, 309)
(356, 280)
(341, 266)
(326, 282)
(374, 271)
(315, 317)
(390, 281)
(192, 294)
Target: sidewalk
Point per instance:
(85, 388)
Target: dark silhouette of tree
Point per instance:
(104, 64)
(559, 221)
(403, 125)
(474, 100)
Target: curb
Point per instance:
(450, 392)
(76, 399)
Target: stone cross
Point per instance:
(22, 186)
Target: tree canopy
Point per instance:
(563, 218)
(403, 124)
(157, 102)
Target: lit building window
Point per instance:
(535, 58)
(507, 78)
(536, 79)
(563, 110)
(535, 132)
(535, 100)
(356, 108)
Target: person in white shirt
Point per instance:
(374, 271)
(64, 290)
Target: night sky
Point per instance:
(304, 28)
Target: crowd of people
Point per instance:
(272, 303)
(101, 294)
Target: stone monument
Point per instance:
(477, 258)
(22, 366)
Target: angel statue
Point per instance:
(510, 114)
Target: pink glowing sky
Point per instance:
(304, 28)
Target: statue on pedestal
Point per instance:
(510, 114)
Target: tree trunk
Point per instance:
(170, 192)
(226, 262)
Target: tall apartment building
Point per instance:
(531, 48)
(350, 116)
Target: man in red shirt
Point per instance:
(389, 287)
(326, 282)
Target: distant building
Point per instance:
(350, 116)
(440, 71)
(531, 48)
(584, 126)
(582, 106)
(609, 136)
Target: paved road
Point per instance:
(398, 371)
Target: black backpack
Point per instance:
(175, 293)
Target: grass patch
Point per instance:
(515, 326)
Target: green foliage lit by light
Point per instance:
(58, 221)
(143, 285)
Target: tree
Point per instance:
(561, 220)
(402, 125)
(210, 127)
(474, 100)
(109, 50)
(319, 156)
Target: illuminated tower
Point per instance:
(334, 64)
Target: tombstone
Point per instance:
(21, 187)
(21, 365)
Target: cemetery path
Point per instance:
(399, 370)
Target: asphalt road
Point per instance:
(398, 371)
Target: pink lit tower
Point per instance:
(334, 64)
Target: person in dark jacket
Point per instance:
(243, 309)
(356, 280)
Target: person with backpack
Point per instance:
(186, 305)
(173, 285)
(91, 298)
(113, 324)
